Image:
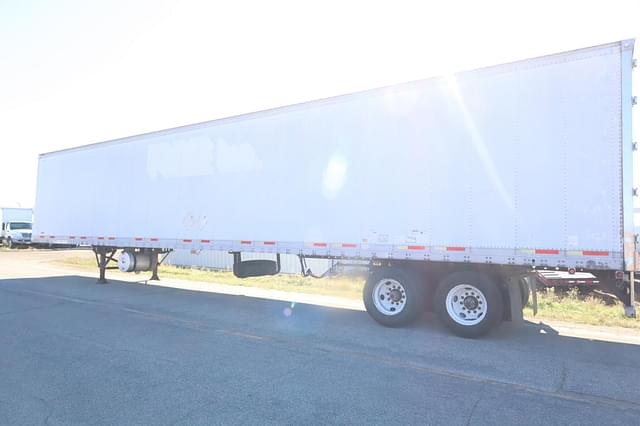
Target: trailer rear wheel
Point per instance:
(393, 296)
(469, 303)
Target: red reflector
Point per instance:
(245, 242)
(415, 247)
(319, 244)
(52, 236)
(205, 241)
(138, 238)
(269, 243)
(101, 238)
(71, 237)
(153, 239)
(547, 251)
(112, 238)
(595, 253)
(187, 241)
(349, 245)
(83, 238)
(455, 249)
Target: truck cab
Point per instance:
(16, 233)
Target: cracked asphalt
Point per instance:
(75, 352)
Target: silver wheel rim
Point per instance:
(389, 297)
(466, 305)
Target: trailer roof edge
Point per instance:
(624, 44)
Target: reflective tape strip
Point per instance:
(343, 245)
(594, 253)
(528, 251)
(52, 236)
(411, 247)
(316, 244)
(72, 237)
(83, 238)
(245, 242)
(205, 241)
(547, 251)
(587, 253)
(101, 238)
(138, 238)
(111, 238)
(153, 239)
(449, 248)
(187, 241)
(268, 243)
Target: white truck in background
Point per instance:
(458, 191)
(16, 226)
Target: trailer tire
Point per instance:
(469, 303)
(393, 297)
(10, 244)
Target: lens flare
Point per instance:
(477, 141)
(334, 176)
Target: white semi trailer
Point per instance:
(455, 189)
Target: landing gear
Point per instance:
(155, 262)
(104, 255)
(154, 268)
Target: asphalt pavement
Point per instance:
(76, 352)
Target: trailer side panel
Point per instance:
(512, 164)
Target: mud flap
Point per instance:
(515, 301)
(532, 283)
(630, 309)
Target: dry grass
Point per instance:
(347, 287)
(593, 308)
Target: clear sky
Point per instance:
(76, 72)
